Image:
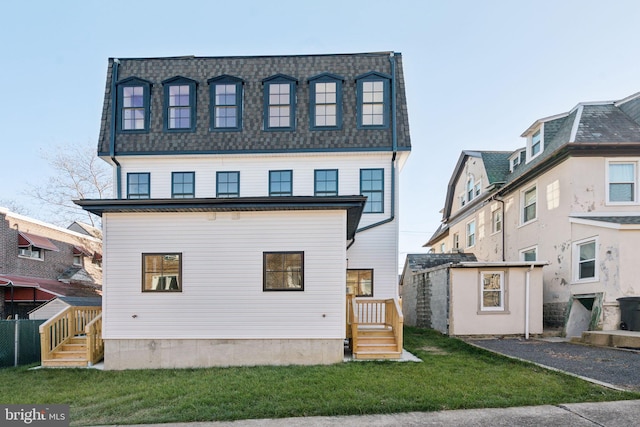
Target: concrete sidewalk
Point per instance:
(624, 413)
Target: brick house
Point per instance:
(40, 261)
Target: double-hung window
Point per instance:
(228, 184)
(496, 221)
(492, 291)
(471, 233)
(456, 241)
(225, 93)
(133, 100)
(326, 182)
(325, 108)
(183, 185)
(622, 182)
(162, 272)
(283, 271)
(585, 257)
(372, 186)
(138, 186)
(373, 100)
(536, 143)
(360, 282)
(279, 102)
(281, 183)
(180, 104)
(529, 211)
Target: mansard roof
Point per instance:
(252, 71)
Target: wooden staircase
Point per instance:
(73, 353)
(72, 338)
(374, 328)
(376, 343)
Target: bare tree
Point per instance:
(14, 206)
(77, 174)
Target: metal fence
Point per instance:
(19, 342)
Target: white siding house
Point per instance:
(241, 214)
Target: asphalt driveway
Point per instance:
(617, 367)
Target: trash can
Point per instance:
(629, 313)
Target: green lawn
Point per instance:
(453, 375)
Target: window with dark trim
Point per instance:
(372, 186)
(138, 186)
(227, 184)
(326, 182)
(179, 104)
(132, 110)
(360, 281)
(162, 272)
(279, 102)
(283, 271)
(281, 183)
(325, 108)
(373, 100)
(183, 185)
(225, 93)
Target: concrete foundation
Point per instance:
(192, 353)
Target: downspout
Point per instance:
(112, 139)
(527, 302)
(394, 147)
(504, 212)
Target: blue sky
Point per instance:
(478, 73)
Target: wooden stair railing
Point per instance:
(62, 331)
(374, 328)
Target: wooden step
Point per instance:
(373, 355)
(376, 340)
(73, 347)
(67, 363)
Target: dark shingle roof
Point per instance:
(496, 164)
(253, 70)
(633, 220)
(418, 262)
(606, 123)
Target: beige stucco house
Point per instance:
(568, 197)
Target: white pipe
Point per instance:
(16, 343)
(527, 302)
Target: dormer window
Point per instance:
(180, 104)
(535, 143)
(373, 100)
(132, 109)
(325, 108)
(279, 102)
(226, 103)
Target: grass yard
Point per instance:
(453, 375)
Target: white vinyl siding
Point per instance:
(222, 295)
(254, 173)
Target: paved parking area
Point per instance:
(611, 366)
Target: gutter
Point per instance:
(394, 147)
(112, 138)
